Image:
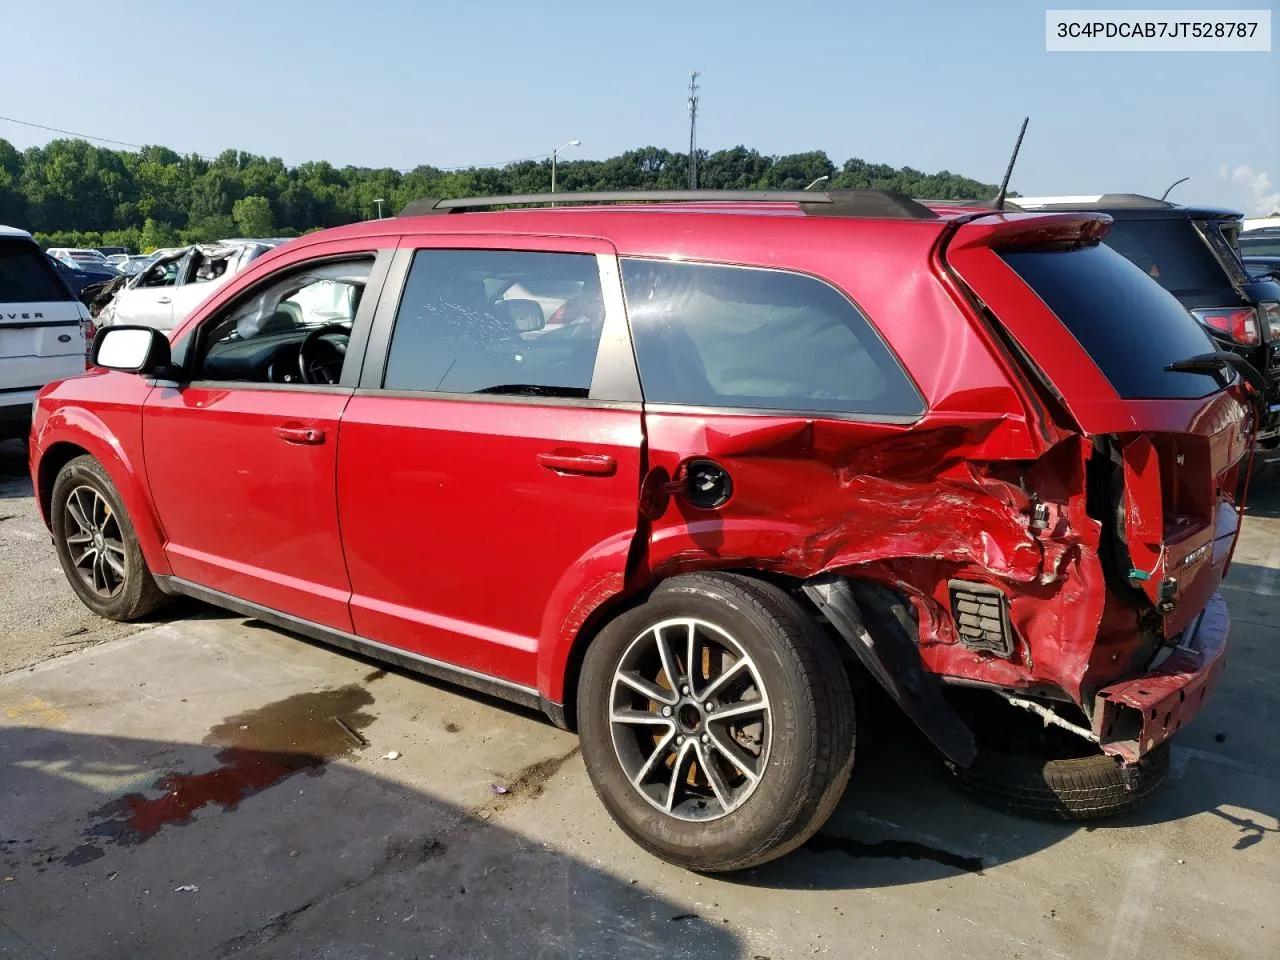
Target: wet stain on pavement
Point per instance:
(259, 749)
(893, 849)
(85, 853)
(374, 675)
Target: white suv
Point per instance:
(42, 329)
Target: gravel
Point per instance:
(40, 617)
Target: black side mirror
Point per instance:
(141, 350)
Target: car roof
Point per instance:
(13, 232)
(652, 214)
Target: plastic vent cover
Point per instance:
(982, 617)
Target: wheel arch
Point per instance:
(76, 432)
(561, 697)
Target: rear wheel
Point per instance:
(96, 544)
(1045, 772)
(717, 722)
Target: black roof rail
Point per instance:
(885, 204)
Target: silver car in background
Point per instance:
(176, 281)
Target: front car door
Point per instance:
(149, 301)
(489, 467)
(241, 458)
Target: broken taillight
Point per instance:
(1238, 323)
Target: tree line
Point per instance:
(72, 193)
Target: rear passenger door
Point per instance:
(488, 464)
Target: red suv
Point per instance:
(770, 442)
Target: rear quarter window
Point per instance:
(1122, 318)
(719, 336)
(26, 277)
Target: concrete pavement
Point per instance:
(188, 791)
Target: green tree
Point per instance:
(156, 234)
(71, 187)
(253, 216)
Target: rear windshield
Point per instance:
(25, 277)
(1170, 252)
(1129, 326)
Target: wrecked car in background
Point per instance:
(786, 438)
(164, 293)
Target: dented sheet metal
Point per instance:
(909, 509)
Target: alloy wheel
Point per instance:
(690, 719)
(94, 542)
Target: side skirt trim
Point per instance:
(493, 686)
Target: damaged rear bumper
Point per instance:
(1133, 716)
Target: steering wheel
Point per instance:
(320, 360)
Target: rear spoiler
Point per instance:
(1004, 231)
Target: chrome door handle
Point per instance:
(164, 300)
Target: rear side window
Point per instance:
(719, 336)
(26, 276)
(1129, 326)
(1169, 251)
(497, 322)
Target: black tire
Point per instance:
(1082, 788)
(810, 753)
(137, 593)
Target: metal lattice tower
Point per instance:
(693, 129)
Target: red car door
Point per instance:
(241, 460)
(488, 467)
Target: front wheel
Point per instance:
(717, 722)
(96, 545)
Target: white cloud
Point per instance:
(1264, 199)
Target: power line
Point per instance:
(139, 146)
(81, 136)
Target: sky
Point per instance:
(941, 85)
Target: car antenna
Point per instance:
(1004, 184)
(1171, 186)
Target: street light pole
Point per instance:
(556, 153)
(816, 182)
(380, 201)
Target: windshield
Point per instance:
(1131, 328)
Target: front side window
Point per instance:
(497, 322)
(290, 330)
(162, 273)
(720, 336)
